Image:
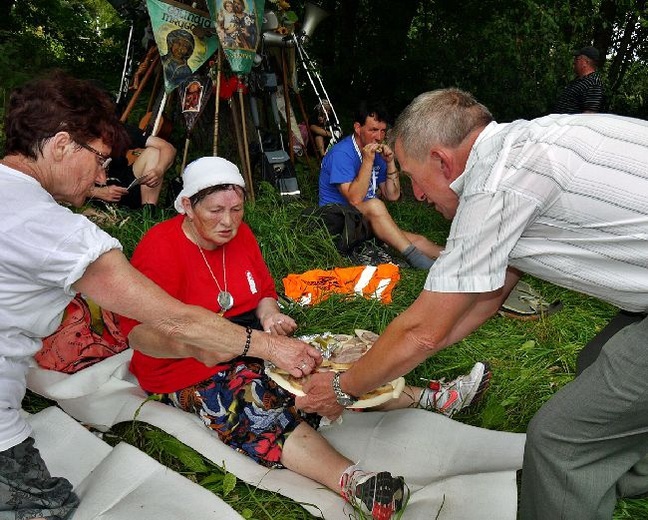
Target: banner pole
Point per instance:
(248, 166)
(239, 144)
(158, 117)
(219, 60)
(184, 155)
(287, 104)
(139, 90)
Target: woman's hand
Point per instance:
(273, 320)
(293, 356)
(279, 323)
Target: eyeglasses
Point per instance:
(105, 160)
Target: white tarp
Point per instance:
(452, 469)
(122, 482)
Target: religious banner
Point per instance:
(238, 25)
(184, 38)
(194, 94)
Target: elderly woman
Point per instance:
(60, 134)
(207, 256)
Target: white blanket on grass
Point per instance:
(454, 471)
(118, 483)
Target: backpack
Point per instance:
(87, 334)
(346, 224)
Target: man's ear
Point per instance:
(446, 161)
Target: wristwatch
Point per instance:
(342, 398)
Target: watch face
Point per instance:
(342, 398)
(345, 401)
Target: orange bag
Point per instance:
(369, 281)
(87, 334)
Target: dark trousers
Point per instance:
(587, 445)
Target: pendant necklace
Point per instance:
(224, 298)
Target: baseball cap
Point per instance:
(590, 52)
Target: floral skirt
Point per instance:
(247, 410)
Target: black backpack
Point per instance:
(346, 224)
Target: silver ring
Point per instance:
(303, 366)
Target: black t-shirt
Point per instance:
(581, 95)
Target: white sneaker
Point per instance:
(377, 494)
(449, 398)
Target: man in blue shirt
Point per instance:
(359, 171)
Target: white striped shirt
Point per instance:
(564, 198)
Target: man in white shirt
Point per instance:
(563, 198)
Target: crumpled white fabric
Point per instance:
(118, 483)
(454, 471)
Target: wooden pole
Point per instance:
(217, 102)
(184, 155)
(158, 117)
(246, 149)
(300, 102)
(239, 143)
(287, 103)
(154, 90)
(139, 90)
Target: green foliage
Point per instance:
(48, 33)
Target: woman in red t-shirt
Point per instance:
(208, 256)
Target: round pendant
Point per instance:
(225, 300)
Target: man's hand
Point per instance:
(387, 153)
(370, 150)
(320, 397)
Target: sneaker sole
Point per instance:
(381, 496)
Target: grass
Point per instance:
(530, 360)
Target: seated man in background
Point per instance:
(319, 127)
(360, 169)
(135, 180)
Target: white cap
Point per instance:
(205, 173)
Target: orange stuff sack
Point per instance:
(87, 334)
(316, 285)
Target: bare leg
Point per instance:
(383, 225)
(308, 453)
(409, 398)
(427, 247)
(387, 230)
(150, 195)
(146, 162)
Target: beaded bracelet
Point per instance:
(248, 339)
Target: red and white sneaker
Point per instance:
(377, 494)
(449, 398)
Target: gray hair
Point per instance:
(438, 118)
